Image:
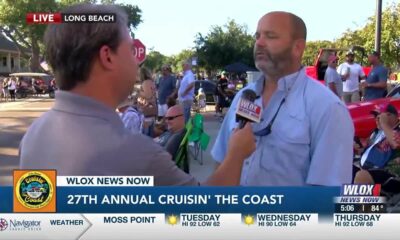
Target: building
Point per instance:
(10, 57)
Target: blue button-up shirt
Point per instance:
(311, 140)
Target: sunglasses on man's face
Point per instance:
(173, 117)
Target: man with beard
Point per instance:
(376, 84)
(351, 74)
(95, 69)
(305, 135)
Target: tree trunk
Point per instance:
(34, 60)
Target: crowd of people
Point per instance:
(349, 82)
(297, 142)
(9, 86)
(377, 160)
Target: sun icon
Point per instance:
(249, 220)
(172, 220)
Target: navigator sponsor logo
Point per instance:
(20, 225)
(3, 224)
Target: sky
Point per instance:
(170, 26)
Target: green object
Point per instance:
(197, 131)
(194, 133)
(182, 156)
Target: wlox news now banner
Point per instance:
(42, 205)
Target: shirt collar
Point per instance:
(85, 106)
(285, 83)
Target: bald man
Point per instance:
(171, 139)
(305, 135)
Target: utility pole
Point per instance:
(378, 25)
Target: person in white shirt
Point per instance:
(351, 74)
(12, 86)
(186, 90)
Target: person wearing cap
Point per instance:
(130, 115)
(351, 74)
(221, 94)
(375, 85)
(383, 147)
(332, 79)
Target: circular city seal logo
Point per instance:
(34, 190)
(3, 224)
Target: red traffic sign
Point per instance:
(140, 50)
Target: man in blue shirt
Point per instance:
(375, 86)
(305, 136)
(166, 88)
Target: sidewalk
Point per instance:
(211, 127)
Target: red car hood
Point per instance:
(360, 112)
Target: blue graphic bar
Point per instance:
(188, 199)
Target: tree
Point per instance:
(26, 37)
(154, 61)
(224, 45)
(29, 37)
(365, 36)
(176, 60)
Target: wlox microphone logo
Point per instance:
(361, 190)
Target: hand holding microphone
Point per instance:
(247, 110)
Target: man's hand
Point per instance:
(242, 142)
(363, 84)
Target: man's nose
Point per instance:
(260, 42)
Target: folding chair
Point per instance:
(182, 156)
(198, 139)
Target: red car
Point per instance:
(317, 71)
(364, 122)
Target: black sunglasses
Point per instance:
(173, 117)
(268, 129)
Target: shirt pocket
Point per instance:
(293, 130)
(287, 150)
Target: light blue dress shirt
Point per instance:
(311, 140)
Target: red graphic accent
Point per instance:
(43, 18)
(377, 190)
(258, 110)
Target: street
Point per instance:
(16, 117)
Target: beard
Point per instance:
(273, 64)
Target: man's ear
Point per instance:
(299, 47)
(107, 57)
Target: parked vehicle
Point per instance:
(209, 88)
(364, 122)
(317, 71)
(33, 83)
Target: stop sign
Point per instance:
(140, 50)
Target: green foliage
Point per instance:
(176, 60)
(224, 45)
(154, 61)
(29, 37)
(365, 36)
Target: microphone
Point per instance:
(247, 110)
